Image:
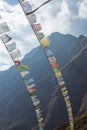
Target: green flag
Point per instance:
(4, 27)
(40, 35)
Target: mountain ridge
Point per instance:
(46, 84)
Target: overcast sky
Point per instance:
(62, 16)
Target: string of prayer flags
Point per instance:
(4, 27)
(44, 42)
(25, 75)
(58, 74)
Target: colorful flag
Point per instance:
(54, 65)
(11, 46)
(49, 53)
(38, 112)
(54, 59)
(29, 81)
(31, 90)
(31, 18)
(33, 96)
(5, 38)
(65, 92)
(56, 70)
(41, 125)
(36, 27)
(71, 118)
(70, 114)
(26, 7)
(61, 83)
(15, 54)
(31, 86)
(44, 42)
(24, 73)
(37, 107)
(17, 62)
(51, 60)
(58, 75)
(40, 35)
(22, 68)
(69, 109)
(36, 102)
(68, 104)
(4, 27)
(60, 79)
(64, 89)
(67, 99)
(40, 119)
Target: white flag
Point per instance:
(31, 18)
(26, 7)
(5, 38)
(15, 54)
(11, 46)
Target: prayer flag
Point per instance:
(36, 27)
(58, 75)
(11, 47)
(40, 36)
(30, 86)
(5, 38)
(31, 18)
(26, 7)
(49, 53)
(54, 65)
(36, 102)
(15, 54)
(44, 42)
(31, 90)
(22, 68)
(4, 27)
(29, 81)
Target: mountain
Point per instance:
(17, 112)
(83, 107)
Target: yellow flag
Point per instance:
(44, 42)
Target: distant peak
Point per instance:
(60, 34)
(82, 37)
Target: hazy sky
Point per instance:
(62, 16)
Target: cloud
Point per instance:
(55, 17)
(20, 31)
(5, 60)
(83, 9)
